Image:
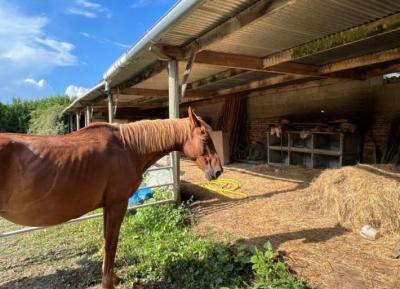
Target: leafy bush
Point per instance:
(48, 118)
(15, 116)
(157, 249)
(271, 273)
(43, 116)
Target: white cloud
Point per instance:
(143, 3)
(105, 41)
(82, 12)
(139, 3)
(75, 91)
(88, 9)
(26, 49)
(36, 83)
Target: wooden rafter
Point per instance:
(329, 69)
(153, 69)
(348, 37)
(361, 61)
(147, 92)
(215, 78)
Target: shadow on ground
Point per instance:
(87, 274)
(316, 235)
(207, 201)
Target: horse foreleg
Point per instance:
(114, 214)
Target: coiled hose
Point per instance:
(226, 187)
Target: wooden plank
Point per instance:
(270, 81)
(340, 39)
(230, 60)
(334, 68)
(365, 60)
(215, 78)
(152, 70)
(148, 92)
(252, 63)
(186, 74)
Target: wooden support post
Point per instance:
(173, 92)
(186, 75)
(87, 116)
(78, 120)
(110, 108)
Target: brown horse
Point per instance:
(49, 180)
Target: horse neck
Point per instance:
(155, 138)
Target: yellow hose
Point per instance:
(226, 187)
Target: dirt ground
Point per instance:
(277, 209)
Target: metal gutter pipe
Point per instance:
(151, 37)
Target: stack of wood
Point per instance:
(338, 125)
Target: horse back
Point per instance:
(56, 170)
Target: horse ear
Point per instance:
(193, 119)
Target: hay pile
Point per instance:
(360, 195)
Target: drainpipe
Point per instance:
(178, 12)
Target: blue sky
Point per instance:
(52, 47)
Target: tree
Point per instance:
(43, 116)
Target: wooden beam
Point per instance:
(340, 39)
(266, 82)
(361, 61)
(329, 69)
(147, 92)
(152, 70)
(252, 63)
(221, 76)
(230, 60)
(144, 92)
(249, 15)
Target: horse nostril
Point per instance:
(218, 173)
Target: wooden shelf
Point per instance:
(278, 148)
(327, 152)
(300, 150)
(321, 149)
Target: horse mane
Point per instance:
(149, 136)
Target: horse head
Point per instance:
(200, 147)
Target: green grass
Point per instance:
(156, 250)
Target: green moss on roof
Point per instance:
(348, 36)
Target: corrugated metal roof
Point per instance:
(300, 22)
(204, 18)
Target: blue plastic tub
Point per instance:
(140, 196)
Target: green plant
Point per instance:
(42, 116)
(271, 273)
(47, 118)
(157, 249)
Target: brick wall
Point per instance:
(370, 103)
(257, 130)
(386, 109)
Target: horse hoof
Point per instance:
(109, 283)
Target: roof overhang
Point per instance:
(246, 45)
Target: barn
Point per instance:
(290, 82)
(285, 84)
